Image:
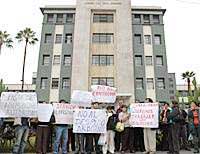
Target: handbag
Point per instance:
(119, 127)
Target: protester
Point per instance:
(174, 118)
(21, 133)
(194, 125)
(43, 135)
(118, 134)
(109, 146)
(61, 133)
(124, 118)
(149, 136)
(93, 137)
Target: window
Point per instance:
(65, 83)
(67, 60)
(43, 83)
(150, 83)
(156, 19)
(161, 83)
(159, 60)
(105, 18)
(58, 38)
(59, 18)
(149, 60)
(147, 39)
(103, 81)
(45, 60)
(68, 38)
(34, 81)
(50, 18)
(157, 39)
(138, 60)
(171, 80)
(48, 38)
(139, 83)
(146, 18)
(171, 86)
(56, 60)
(70, 18)
(136, 19)
(55, 82)
(103, 60)
(102, 38)
(138, 39)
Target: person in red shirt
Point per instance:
(194, 124)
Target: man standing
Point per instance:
(21, 134)
(174, 118)
(61, 133)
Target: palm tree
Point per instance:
(4, 39)
(29, 37)
(188, 75)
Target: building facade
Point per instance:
(105, 42)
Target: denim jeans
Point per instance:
(61, 133)
(21, 134)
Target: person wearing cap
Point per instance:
(149, 136)
(174, 118)
(194, 125)
(124, 118)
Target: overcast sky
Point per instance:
(182, 31)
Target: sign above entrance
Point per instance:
(102, 2)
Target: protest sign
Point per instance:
(81, 98)
(18, 104)
(64, 113)
(144, 115)
(103, 94)
(45, 112)
(89, 121)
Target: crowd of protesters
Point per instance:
(178, 127)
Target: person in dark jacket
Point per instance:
(194, 125)
(110, 134)
(174, 118)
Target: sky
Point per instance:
(182, 31)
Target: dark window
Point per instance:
(67, 60)
(70, 18)
(156, 19)
(138, 60)
(68, 38)
(161, 83)
(44, 83)
(48, 38)
(59, 19)
(56, 60)
(139, 83)
(55, 83)
(138, 39)
(105, 18)
(157, 39)
(103, 60)
(58, 38)
(103, 81)
(102, 38)
(46, 60)
(50, 18)
(65, 83)
(159, 61)
(136, 19)
(146, 18)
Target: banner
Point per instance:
(89, 121)
(144, 115)
(45, 112)
(18, 104)
(81, 98)
(64, 113)
(103, 94)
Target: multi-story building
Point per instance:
(103, 42)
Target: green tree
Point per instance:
(5, 40)
(28, 36)
(2, 87)
(187, 76)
